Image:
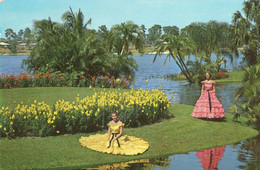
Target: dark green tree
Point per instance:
(154, 34)
(246, 31)
(27, 34)
(171, 30)
(10, 34)
(20, 35)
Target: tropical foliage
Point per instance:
(178, 46)
(89, 114)
(248, 96)
(246, 31)
(200, 40)
(72, 48)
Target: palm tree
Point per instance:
(178, 46)
(248, 95)
(246, 31)
(127, 34)
(67, 47)
(75, 22)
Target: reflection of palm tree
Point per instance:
(210, 157)
(250, 149)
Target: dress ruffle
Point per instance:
(202, 107)
(129, 145)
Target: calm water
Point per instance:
(242, 155)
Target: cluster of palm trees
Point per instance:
(71, 47)
(246, 33)
(201, 40)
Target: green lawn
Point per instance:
(180, 134)
(234, 76)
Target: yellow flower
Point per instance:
(13, 130)
(36, 117)
(118, 80)
(73, 117)
(11, 123)
(58, 131)
(146, 80)
(90, 87)
(1, 126)
(4, 129)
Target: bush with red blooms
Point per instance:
(57, 79)
(221, 75)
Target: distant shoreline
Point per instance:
(16, 54)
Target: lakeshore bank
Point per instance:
(180, 134)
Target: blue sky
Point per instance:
(19, 14)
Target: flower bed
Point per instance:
(58, 79)
(89, 114)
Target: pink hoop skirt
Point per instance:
(208, 105)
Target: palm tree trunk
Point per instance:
(182, 69)
(185, 68)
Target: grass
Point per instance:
(180, 134)
(234, 76)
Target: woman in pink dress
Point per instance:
(208, 105)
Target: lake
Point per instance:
(242, 155)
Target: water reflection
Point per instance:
(210, 157)
(249, 153)
(207, 159)
(163, 162)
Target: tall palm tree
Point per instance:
(178, 47)
(246, 31)
(75, 21)
(126, 34)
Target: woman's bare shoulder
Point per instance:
(119, 122)
(111, 122)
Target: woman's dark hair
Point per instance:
(115, 113)
(210, 74)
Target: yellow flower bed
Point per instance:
(91, 113)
